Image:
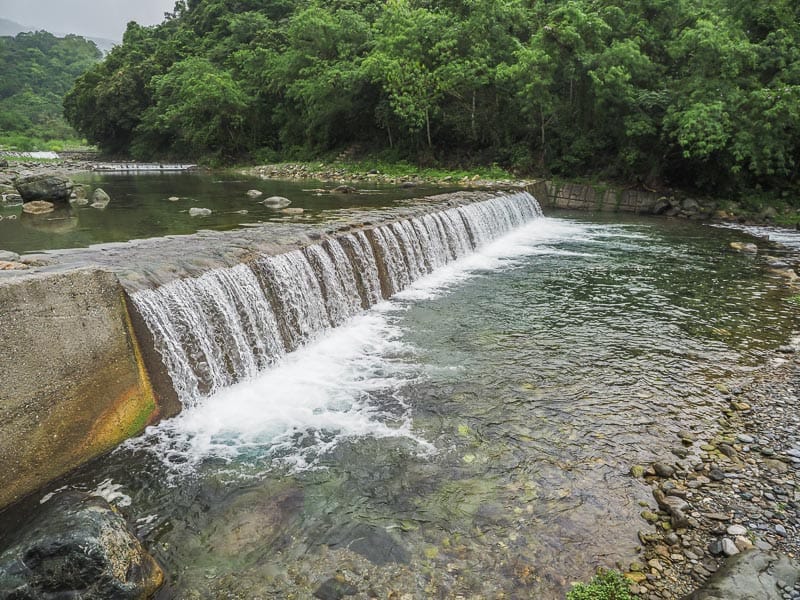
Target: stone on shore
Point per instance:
(751, 575)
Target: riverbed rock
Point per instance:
(344, 189)
(254, 193)
(76, 546)
(663, 469)
(292, 211)
(38, 207)
(276, 202)
(751, 575)
(44, 187)
(78, 193)
(746, 247)
(199, 212)
(100, 198)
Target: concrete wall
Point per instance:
(577, 196)
(72, 383)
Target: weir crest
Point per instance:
(230, 323)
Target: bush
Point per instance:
(606, 585)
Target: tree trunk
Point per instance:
(472, 117)
(428, 128)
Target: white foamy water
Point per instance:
(344, 384)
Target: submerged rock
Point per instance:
(344, 189)
(44, 187)
(199, 212)
(744, 247)
(38, 207)
(254, 193)
(292, 211)
(276, 202)
(77, 546)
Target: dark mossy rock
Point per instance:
(76, 546)
(44, 187)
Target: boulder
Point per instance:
(76, 546)
(38, 207)
(747, 247)
(344, 189)
(276, 202)
(44, 187)
(78, 192)
(100, 198)
(751, 575)
(691, 206)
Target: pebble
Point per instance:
(716, 475)
(728, 547)
(780, 530)
(663, 470)
(736, 530)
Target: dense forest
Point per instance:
(692, 93)
(38, 69)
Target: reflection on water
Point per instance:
(149, 205)
(470, 437)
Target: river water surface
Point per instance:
(472, 436)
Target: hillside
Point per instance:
(39, 69)
(703, 95)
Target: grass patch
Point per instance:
(606, 585)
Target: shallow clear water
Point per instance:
(140, 208)
(472, 436)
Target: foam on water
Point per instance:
(342, 385)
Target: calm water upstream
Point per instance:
(140, 208)
(470, 437)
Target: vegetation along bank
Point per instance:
(701, 96)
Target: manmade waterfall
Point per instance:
(230, 323)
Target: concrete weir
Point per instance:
(80, 369)
(73, 384)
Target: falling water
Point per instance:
(230, 323)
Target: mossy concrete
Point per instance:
(72, 382)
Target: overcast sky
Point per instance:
(95, 18)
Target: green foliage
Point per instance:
(38, 69)
(607, 585)
(691, 94)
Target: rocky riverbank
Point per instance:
(343, 175)
(717, 496)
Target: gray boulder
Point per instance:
(44, 187)
(76, 546)
(751, 575)
(100, 198)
